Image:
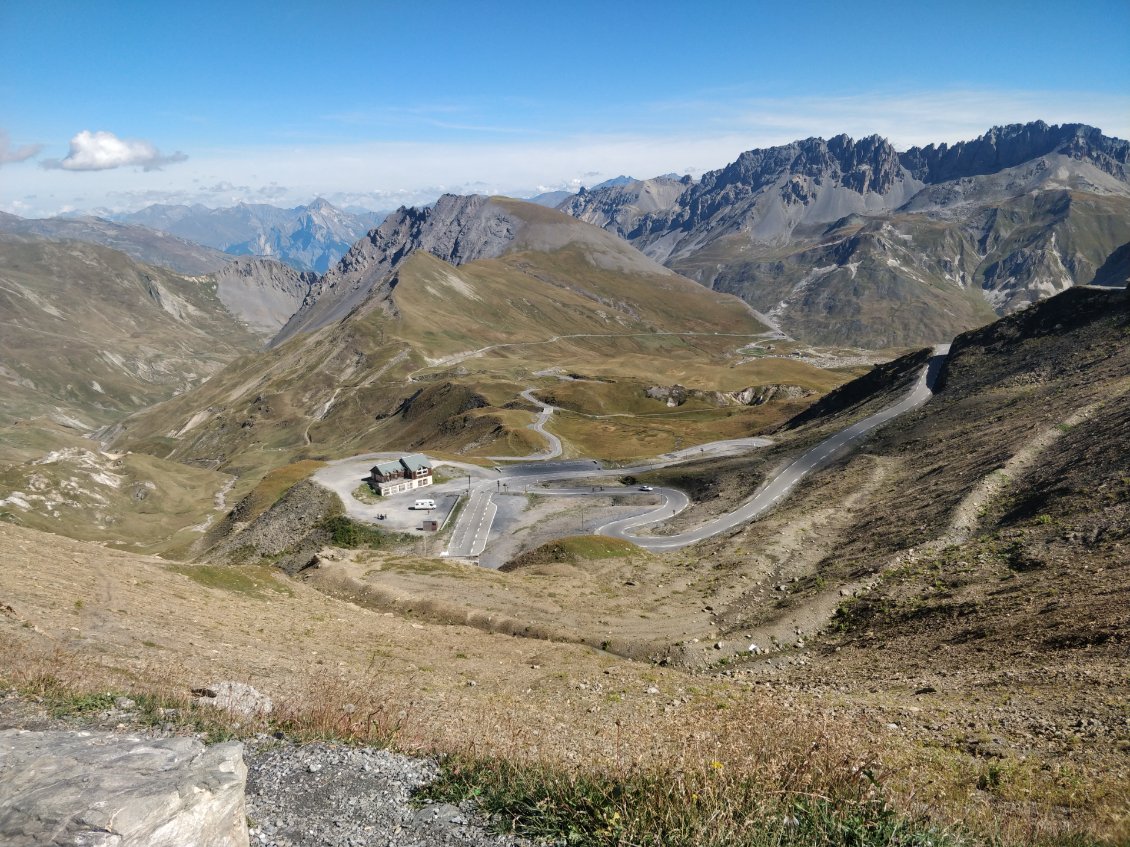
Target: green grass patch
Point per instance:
(249, 580)
(441, 475)
(364, 493)
(596, 547)
(353, 535)
(574, 549)
(707, 808)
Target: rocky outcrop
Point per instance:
(262, 293)
(92, 789)
(288, 534)
(456, 230)
(764, 195)
(755, 395)
(620, 208)
(236, 698)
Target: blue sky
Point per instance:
(120, 104)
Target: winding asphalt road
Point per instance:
(780, 486)
(538, 426)
(473, 525)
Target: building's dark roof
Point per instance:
(386, 468)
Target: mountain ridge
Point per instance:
(1016, 214)
(141, 243)
(123, 335)
(455, 229)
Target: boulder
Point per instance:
(96, 789)
(238, 698)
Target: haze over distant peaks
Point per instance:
(138, 242)
(311, 237)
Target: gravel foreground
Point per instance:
(314, 794)
(326, 795)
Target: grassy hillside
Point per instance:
(89, 335)
(131, 500)
(961, 579)
(439, 364)
(943, 613)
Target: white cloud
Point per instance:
(9, 154)
(102, 151)
(690, 136)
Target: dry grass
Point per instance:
(84, 620)
(275, 484)
(720, 768)
(624, 438)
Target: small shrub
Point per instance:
(352, 535)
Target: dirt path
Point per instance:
(456, 358)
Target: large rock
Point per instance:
(88, 789)
(238, 698)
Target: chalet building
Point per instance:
(404, 474)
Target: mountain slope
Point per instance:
(311, 237)
(138, 242)
(798, 231)
(457, 230)
(262, 292)
(89, 335)
(399, 348)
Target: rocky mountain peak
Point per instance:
(868, 165)
(1014, 144)
(456, 229)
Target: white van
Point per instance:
(424, 504)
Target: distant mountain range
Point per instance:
(852, 242)
(837, 242)
(310, 238)
(140, 243)
(426, 290)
